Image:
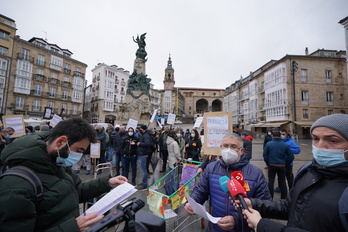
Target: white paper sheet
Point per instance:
(112, 198)
(200, 210)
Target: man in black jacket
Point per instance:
(117, 145)
(318, 200)
(144, 149)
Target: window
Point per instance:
(41, 60)
(51, 104)
(74, 109)
(3, 67)
(343, 111)
(36, 105)
(25, 54)
(304, 75)
(64, 106)
(38, 90)
(329, 98)
(65, 94)
(4, 35)
(19, 103)
(305, 114)
(304, 96)
(329, 112)
(328, 76)
(52, 92)
(3, 50)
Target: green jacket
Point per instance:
(63, 190)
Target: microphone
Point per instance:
(237, 191)
(238, 176)
(223, 181)
(119, 215)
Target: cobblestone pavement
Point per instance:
(193, 223)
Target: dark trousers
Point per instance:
(165, 158)
(148, 160)
(289, 176)
(280, 172)
(129, 161)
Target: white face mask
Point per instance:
(130, 133)
(229, 156)
(178, 135)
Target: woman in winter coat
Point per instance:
(194, 145)
(173, 157)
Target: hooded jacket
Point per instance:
(220, 202)
(63, 190)
(314, 202)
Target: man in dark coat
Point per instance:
(117, 146)
(50, 155)
(144, 150)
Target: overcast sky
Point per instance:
(212, 42)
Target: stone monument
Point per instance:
(137, 103)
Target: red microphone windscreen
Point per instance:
(235, 188)
(238, 176)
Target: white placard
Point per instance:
(198, 122)
(153, 115)
(171, 119)
(95, 150)
(132, 123)
(159, 124)
(16, 122)
(55, 120)
(162, 121)
(217, 128)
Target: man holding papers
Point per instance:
(50, 156)
(232, 159)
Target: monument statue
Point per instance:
(141, 53)
(138, 82)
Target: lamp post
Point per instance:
(61, 111)
(294, 68)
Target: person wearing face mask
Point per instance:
(318, 200)
(208, 187)
(277, 155)
(295, 150)
(128, 152)
(194, 146)
(181, 141)
(50, 155)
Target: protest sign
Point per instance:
(132, 123)
(16, 122)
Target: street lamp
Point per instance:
(61, 111)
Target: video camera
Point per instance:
(127, 211)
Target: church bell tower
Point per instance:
(169, 80)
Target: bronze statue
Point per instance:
(141, 53)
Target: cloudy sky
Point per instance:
(212, 43)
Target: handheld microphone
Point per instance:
(238, 176)
(223, 181)
(237, 191)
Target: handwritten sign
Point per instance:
(55, 120)
(198, 122)
(16, 122)
(188, 172)
(171, 119)
(216, 126)
(132, 123)
(95, 150)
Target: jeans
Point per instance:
(165, 158)
(116, 159)
(110, 153)
(102, 158)
(129, 161)
(142, 161)
(280, 172)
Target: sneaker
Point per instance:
(141, 187)
(88, 172)
(77, 171)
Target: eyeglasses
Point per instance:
(232, 146)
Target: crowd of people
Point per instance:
(316, 199)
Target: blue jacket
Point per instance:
(220, 203)
(293, 146)
(277, 152)
(144, 147)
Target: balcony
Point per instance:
(41, 63)
(66, 84)
(39, 77)
(94, 79)
(55, 67)
(67, 71)
(117, 81)
(123, 92)
(35, 92)
(36, 108)
(53, 81)
(78, 74)
(123, 83)
(116, 90)
(261, 89)
(21, 56)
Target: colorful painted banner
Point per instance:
(154, 200)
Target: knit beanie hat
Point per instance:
(337, 122)
(244, 133)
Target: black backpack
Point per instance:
(29, 175)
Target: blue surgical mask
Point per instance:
(283, 137)
(329, 157)
(193, 135)
(72, 159)
(269, 133)
(7, 136)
